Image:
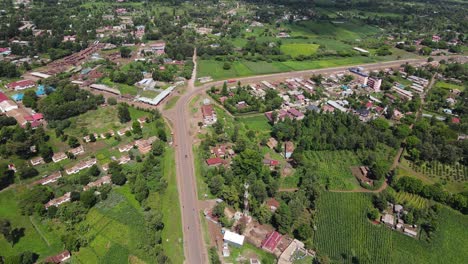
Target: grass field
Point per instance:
(412, 200)
(296, 49)
(343, 231)
(258, 123)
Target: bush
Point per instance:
(227, 66)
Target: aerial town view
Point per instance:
(225, 131)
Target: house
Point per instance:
(271, 163)
(63, 256)
(388, 219)
(288, 149)
(272, 204)
(241, 105)
(455, 120)
(103, 180)
(7, 106)
(412, 232)
(37, 161)
(295, 114)
(272, 143)
(397, 115)
(124, 159)
(77, 151)
(17, 97)
(214, 161)
(81, 166)
(3, 97)
(126, 147)
(59, 157)
(49, 179)
(398, 208)
(209, 115)
(271, 241)
(110, 132)
(87, 138)
(58, 201)
(21, 85)
(122, 131)
(69, 38)
(233, 239)
(142, 120)
(158, 48)
(145, 145)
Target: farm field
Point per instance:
(453, 177)
(355, 235)
(116, 227)
(412, 200)
(248, 68)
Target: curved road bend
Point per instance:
(194, 247)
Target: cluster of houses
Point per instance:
(392, 217)
(67, 196)
(59, 156)
(285, 248)
(19, 112)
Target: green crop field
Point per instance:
(296, 49)
(412, 200)
(343, 231)
(39, 236)
(116, 227)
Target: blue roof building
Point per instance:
(40, 90)
(18, 97)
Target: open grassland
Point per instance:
(39, 236)
(333, 168)
(343, 231)
(171, 102)
(296, 49)
(449, 86)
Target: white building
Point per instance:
(233, 238)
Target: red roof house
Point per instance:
(65, 255)
(20, 85)
(455, 120)
(3, 97)
(214, 161)
(271, 241)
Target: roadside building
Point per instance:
(209, 115)
(214, 161)
(233, 239)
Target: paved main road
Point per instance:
(194, 247)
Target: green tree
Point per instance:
(88, 199)
(125, 52)
(30, 99)
(73, 142)
(136, 127)
(123, 113)
(283, 218)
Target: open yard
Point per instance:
(343, 231)
(449, 86)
